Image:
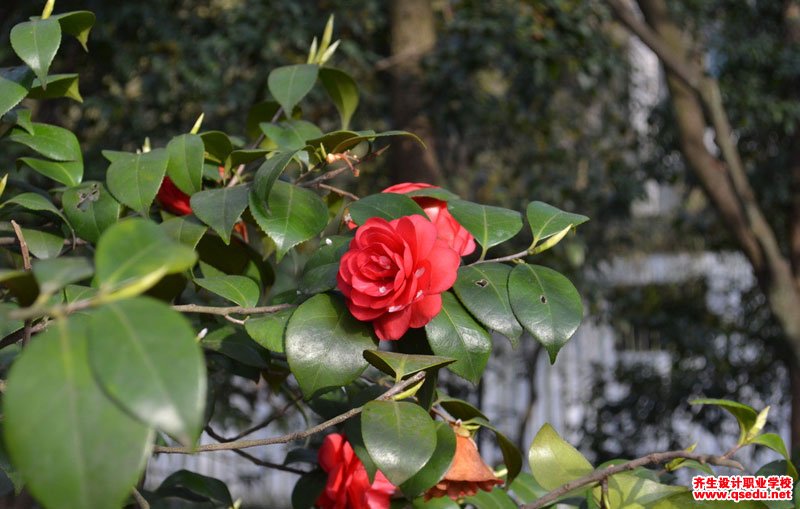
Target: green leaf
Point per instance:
(329, 141)
(453, 333)
(185, 229)
(553, 461)
(245, 156)
(53, 275)
(36, 42)
(50, 141)
(197, 485)
(145, 357)
(324, 344)
(77, 24)
(630, 491)
(384, 205)
(35, 202)
(291, 135)
(401, 365)
(74, 293)
(57, 86)
(512, 457)
(134, 179)
(268, 330)
(14, 85)
(495, 499)
(186, 154)
(8, 326)
(343, 91)
(775, 442)
(745, 415)
(483, 290)
(400, 438)
(238, 289)
(526, 488)
(233, 343)
(266, 175)
(308, 489)
(91, 209)
(371, 136)
(546, 220)
(217, 145)
(546, 304)
(433, 192)
(135, 254)
(68, 173)
(459, 408)
(319, 273)
(436, 466)
(42, 244)
(295, 215)
(434, 503)
(289, 84)
(489, 225)
(71, 435)
(260, 112)
(220, 208)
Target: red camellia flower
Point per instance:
(449, 229)
(394, 273)
(173, 199)
(348, 485)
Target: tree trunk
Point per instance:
(413, 36)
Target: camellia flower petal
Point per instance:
(348, 485)
(467, 474)
(456, 236)
(173, 199)
(394, 273)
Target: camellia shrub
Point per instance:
(128, 305)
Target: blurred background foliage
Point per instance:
(526, 100)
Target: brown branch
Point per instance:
(140, 500)
(291, 437)
(26, 263)
(229, 310)
(263, 424)
(17, 335)
(340, 192)
(252, 459)
(650, 459)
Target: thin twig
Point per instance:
(240, 169)
(17, 335)
(291, 437)
(256, 461)
(263, 424)
(508, 258)
(143, 503)
(229, 310)
(26, 263)
(650, 459)
(338, 191)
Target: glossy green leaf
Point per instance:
(245, 156)
(8, 326)
(686, 500)
(237, 289)
(74, 293)
(77, 24)
(265, 178)
(401, 365)
(546, 304)
(526, 489)
(220, 208)
(329, 141)
(400, 437)
(43, 244)
(483, 290)
(319, 273)
(546, 220)
(512, 457)
(630, 491)
(745, 415)
(232, 343)
(69, 173)
(324, 344)
(71, 434)
(263, 111)
(135, 254)
(295, 215)
(351, 142)
(291, 135)
(185, 229)
(308, 489)
(14, 85)
(384, 205)
(185, 162)
(217, 145)
(775, 442)
(436, 466)
(91, 209)
(134, 179)
(489, 225)
(553, 461)
(289, 84)
(454, 333)
(459, 408)
(343, 91)
(56, 273)
(495, 499)
(352, 429)
(50, 141)
(197, 485)
(145, 357)
(268, 330)
(35, 202)
(433, 192)
(36, 42)
(57, 86)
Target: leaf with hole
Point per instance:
(546, 304)
(91, 209)
(483, 290)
